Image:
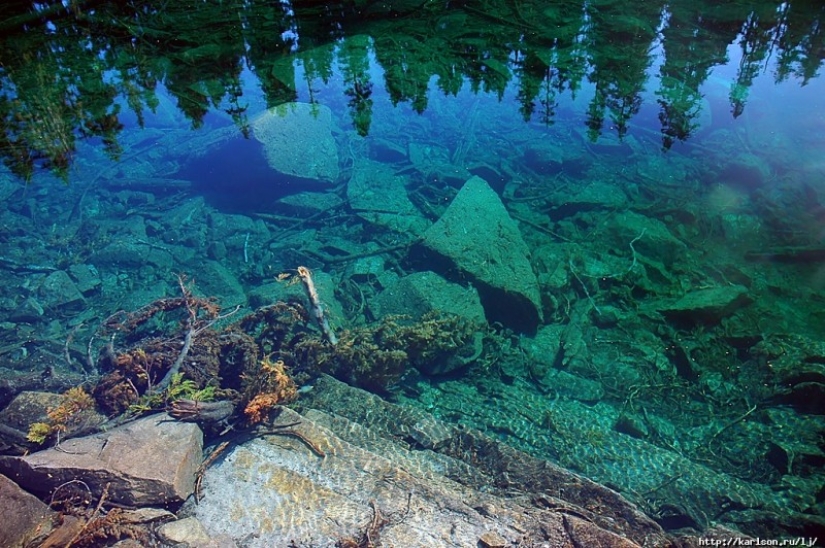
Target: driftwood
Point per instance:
(202, 412)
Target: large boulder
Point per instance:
(59, 292)
(151, 461)
(707, 305)
(25, 518)
(297, 140)
(478, 238)
(363, 480)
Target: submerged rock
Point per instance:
(297, 140)
(215, 280)
(86, 278)
(275, 491)
(151, 461)
(379, 196)
(25, 518)
(477, 237)
(707, 305)
(58, 291)
(423, 292)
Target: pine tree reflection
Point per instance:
(64, 73)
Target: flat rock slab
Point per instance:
(423, 292)
(274, 491)
(707, 305)
(151, 461)
(478, 237)
(298, 141)
(60, 292)
(379, 196)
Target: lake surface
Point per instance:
(663, 163)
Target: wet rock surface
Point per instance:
(151, 461)
(477, 236)
(293, 132)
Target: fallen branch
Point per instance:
(317, 307)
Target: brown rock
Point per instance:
(491, 539)
(25, 518)
(151, 461)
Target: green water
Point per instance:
(664, 164)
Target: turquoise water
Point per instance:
(662, 164)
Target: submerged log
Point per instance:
(788, 255)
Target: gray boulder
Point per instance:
(25, 518)
(276, 491)
(707, 305)
(297, 140)
(379, 196)
(58, 291)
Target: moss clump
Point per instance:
(268, 388)
(61, 418)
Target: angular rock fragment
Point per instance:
(423, 292)
(151, 461)
(477, 239)
(380, 197)
(24, 517)
(707, 305)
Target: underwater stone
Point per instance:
(651, 238)
(297, 140)
(187, 530)
(25, 518)
(307, 203)
(423, 292)
(151, 461)
(707, 305)
(86, 277)
(379, 196)
(129, 255)
(29, 310)
(59, 291)
(216, 251)
(596, 195)
(215, 280)
(478, 237)
(434, 161)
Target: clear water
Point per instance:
(650, 152)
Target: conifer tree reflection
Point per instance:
(555, 60)
(691, 50)
(71, 78)
(354, 58)
(270, 35)
(618, 45)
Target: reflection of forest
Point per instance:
(65, 72)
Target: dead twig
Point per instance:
(94, 516)
(213, 456)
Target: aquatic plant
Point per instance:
(180, 388)
(61, 418)
(376, 356)
(268, 388)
